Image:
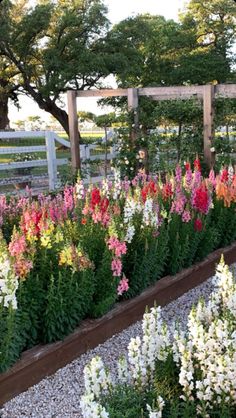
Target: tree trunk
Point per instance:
(49, 106)
(4, 121)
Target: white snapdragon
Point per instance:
(97, 380)
(129, 210)
(157, 411)
(91, 408)
(135, 358)
(8, 283)
(186, 374)
(123, 371)
(105, 188)
(230, 173)
(130, 233)
(117, 184)
(80, 190)
(150, 216)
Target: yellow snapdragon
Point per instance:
(65, 257)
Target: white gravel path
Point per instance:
(58, 396)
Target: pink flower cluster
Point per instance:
(123, 286)
(118, 246)
(116, 267)
(18, 245)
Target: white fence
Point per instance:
(87, 152)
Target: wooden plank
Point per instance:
(181, 96)
(208, 123)
(22, 150)
(21, 134)
(73, 130)
(173, 91)
(225, 90)
(102, 93)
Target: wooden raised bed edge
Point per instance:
(42, 361)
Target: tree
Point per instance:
(54, 46)
(214, 24)
(163, 52)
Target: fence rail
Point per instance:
(51, 161)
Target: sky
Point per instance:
(117, 10)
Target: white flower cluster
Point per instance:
(8, 283)
(97, 381)
(138, 370)
(105, 187)
(157, 412)
(130, 209)
(80, 190)
(117, 184)
(150, 216)
(208, 349)
(205, 354)
(91, 408)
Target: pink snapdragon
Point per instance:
(178, 204)
(212, 177)
(123, 286)
(186, 216)
(118, 246)
(18, 245)
(188, 179)
(69, 198)
(116, 267)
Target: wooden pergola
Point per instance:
(207, 93)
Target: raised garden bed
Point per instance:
(41, 361)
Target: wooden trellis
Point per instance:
(207, 93)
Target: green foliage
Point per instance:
(225, 223)
(127, 402)
(68, 300)
(186, 245)
(14, 328)
(105, 293)
(145, 261)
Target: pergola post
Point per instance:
(208, 123)
(73, 130)
(132, 95)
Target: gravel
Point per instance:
(58, 396)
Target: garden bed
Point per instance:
(42, 361)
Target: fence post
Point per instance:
(52, 159)
(88, 167)
(73, 130)
(208, 123)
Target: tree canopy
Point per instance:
(54, 46)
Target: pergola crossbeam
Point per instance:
(205, 92)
